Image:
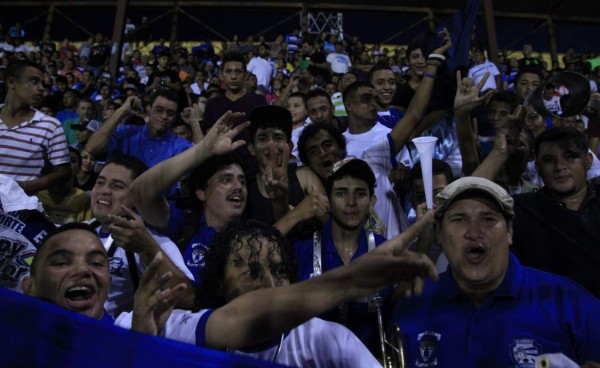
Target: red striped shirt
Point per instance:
(24, 148)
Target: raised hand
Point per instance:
(192, 115)
(130, 232)
(275, 175)
(153, 301)
(467, 93)
(407, 269)
(219, 139)
(447, 42)
(315, 204)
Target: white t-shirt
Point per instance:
(263, 70)
(315, 343)
(295, 136)
(120, 296)
(478, 71)
(387, 207)
(340, 63)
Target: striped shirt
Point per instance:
(24, 147)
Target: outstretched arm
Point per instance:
(147, 190)
(193, 117)
(467, 98)
(96, 145)
(416, 110)
(263, 314)
(132, 235)
(154, 300)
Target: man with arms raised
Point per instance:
(151, 143)
(216, 179)
(71, 270)
(130, 245)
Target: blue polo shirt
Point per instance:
(330, 258)
(356, 316)
(135, 140)
(194, 252)
(531, 313)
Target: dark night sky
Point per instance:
(371, 27)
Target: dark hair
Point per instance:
(59, 230)
(85, 99)
(377, 67)
(166, 93)
(17, 68)
(355, 168)
(136, 166)
(319, 92)
(561, 134)
(529, 71)
(74, 92)
(350, 91)
(415, 44)
(76, 152)
(201, 175)
(233, 56)
(61, 79)
(505, 97)
(227, 244)
(310, 131)
(49, 102)
(298, 94)
(437, 167)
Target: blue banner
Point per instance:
(38, 334)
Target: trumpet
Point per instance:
(392, 351)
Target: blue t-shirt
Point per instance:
(358, 316)
(194, 252)
(135, 140)
(531, 313)
(390, 118)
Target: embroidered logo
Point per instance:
(428, 344)
(114, 266)
(197, 257)
(524, 352)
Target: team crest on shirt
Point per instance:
(197, 258)
(428, 349)
(524, 352)
(114, 265)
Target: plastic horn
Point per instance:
(425, 147)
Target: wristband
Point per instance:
(433, 62)
(437, 56)
(429, 75)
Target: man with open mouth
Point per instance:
(486, 308)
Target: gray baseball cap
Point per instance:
(471, 187)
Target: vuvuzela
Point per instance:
(425, 147)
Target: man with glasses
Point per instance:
(27, 136)
(151, 143)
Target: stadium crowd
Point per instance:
(229, 196)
